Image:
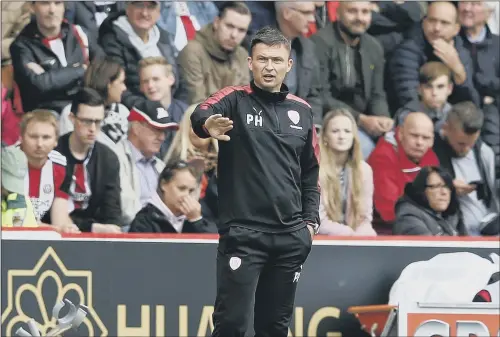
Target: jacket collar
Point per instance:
(270, 96)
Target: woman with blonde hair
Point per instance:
(187, 146)
(346, 180)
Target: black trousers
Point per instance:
(264, 266)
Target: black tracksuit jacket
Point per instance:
(268, 171)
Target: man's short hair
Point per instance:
(467, 116)
(270, 37)
(430, 71)
(153, 61)
(237, 6)
(40, 115)
(86, 96)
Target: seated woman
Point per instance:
(346, 206)
(107, 77)
(429, 206)
(175, 207)
(188, 146)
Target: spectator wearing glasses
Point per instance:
(107, 77)
(92, 170)
(429, 206)
(174, 207)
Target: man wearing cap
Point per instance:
(139, 165)
(17, 210)
(134, 35)
(92, 168)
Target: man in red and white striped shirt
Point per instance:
(47, 169)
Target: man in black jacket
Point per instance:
(268, 191)
(92, 169)
(352, 69)
(133, 35)
(435, 40)
(50, 57)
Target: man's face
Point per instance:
(459, 141)
(231, 29)
(472, 13)
(155, 83)
(299, 15)
(143, 15)
(269, 65)
(416, 139)
(435, 94)
(87, 123)
(38, 140)
(49, 14)
(355, 16)
(181, 186)
(441, 22)
(148, 138)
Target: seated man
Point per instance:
(92, 170)
(215, 58)
(352, 68)
(483, 47)
(471, 163)
(50, 57)
(434, 89)
(133, 35)
(173, 207)
(396, 160)
(303, 80)
(435, 40)
(139, 166)
(156, 81)
(17, 210)
(47, 170)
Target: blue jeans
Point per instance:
(367, 143)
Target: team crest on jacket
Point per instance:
(234, 262)
(294, 116)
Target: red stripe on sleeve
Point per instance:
(215, 98)
(298, 99)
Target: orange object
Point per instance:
(372, 317)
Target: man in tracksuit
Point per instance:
(268, 191)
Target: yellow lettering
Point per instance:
(160, 321)
(318, 316)
(299, 323)
(124, 330)
(183, 321)
(206, 321)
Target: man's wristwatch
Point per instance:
(315, 227)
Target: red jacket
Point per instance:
(392, 169)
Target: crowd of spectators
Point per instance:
(97, 98)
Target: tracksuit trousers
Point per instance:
(264, 266)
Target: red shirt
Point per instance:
(392, 169)
(35, 174)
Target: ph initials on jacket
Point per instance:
(256, 120)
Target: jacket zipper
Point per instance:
(277, 119)
(348, 66)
